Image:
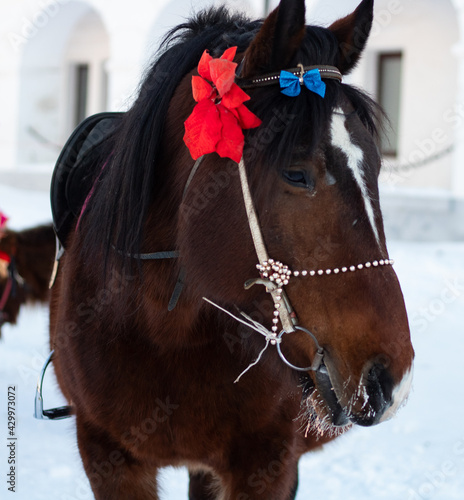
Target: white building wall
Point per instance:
(43, 124)
(425, 32)
(9, 84)
(40, 38)
(41, 41)
(458, 171)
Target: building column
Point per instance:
(125, 67)
(9, 130)
(10, 60)
(458, 112)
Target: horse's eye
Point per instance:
(298, 178)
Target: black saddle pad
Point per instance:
(77, 167)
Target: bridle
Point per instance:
(275, 276)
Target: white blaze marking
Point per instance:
(399, 397)
(341, 139)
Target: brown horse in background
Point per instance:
(27, 267)
(153, 386)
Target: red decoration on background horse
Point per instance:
(3, 220)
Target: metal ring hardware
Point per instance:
(317, 358)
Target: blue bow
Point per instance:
(291, 86)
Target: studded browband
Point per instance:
(327, 72)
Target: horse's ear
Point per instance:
(278, 39)
(352, 33)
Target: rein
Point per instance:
(10, 286)
(286, 314)
(6, 293)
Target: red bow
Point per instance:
(217, 121)
(5, 257)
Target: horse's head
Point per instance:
(12, 294)
(313, 170)
(26, 262)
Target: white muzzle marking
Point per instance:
(400, 395)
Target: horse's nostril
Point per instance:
(379, 386)
(376, 397)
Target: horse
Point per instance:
(226, 301)
(27, 257)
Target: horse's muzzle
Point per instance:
(324, 385)
(374, 400)
(378, 395)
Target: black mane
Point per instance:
(118, 209)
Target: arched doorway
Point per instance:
(62, 79)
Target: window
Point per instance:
(104, 86)
(81, 90)
(389, 97)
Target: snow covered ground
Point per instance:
(417, 455)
